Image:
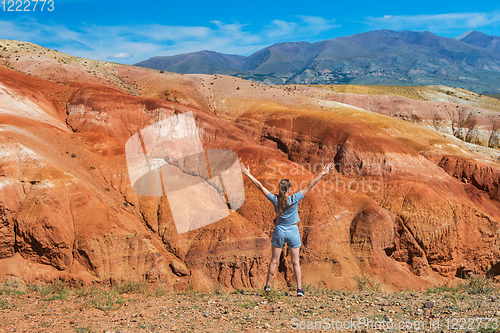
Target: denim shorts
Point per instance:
(286, 233)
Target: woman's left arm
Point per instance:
(246, 172)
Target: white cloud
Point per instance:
(307, 26)
(282, 28)
(172, 33)
(437, 23)
(31, 30)
(318, 23)
(120, 56)
(140, 42)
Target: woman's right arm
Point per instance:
(246, 172)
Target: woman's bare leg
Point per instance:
(273, 265)
(294, 253)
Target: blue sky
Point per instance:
(130, 31)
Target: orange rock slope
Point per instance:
(408, 205)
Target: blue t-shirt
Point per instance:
(291, 215)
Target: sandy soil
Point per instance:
(434, 93)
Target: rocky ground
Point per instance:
(474, 306)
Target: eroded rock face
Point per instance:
(466, 122)
(67, 208)
(7, 236)
(419, 217)
(494, 140)
(482, 176)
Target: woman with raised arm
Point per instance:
(287, 216)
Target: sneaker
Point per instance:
(267, 288)
(300, 292)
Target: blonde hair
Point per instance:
(282, 199)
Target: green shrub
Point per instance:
(6, 305)
(86, 329)
(478, 285)
(366, 282)
(104, 301)
(159, 291)
(57, 287)
(85, 291)
(54, 291)
(131, 287)
(443, 289)
(11, 288)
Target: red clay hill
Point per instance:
(409, 205)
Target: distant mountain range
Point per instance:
(470, 61)
(477, 38)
